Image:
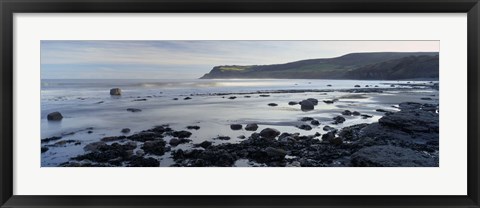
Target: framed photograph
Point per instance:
(239, 104)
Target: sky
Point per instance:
(192, 59)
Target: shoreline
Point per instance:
(133, 149)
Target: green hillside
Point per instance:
(382, 65)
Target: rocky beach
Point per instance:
(242, 123)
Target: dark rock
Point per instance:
(365, 116)
(315, 122)
(306, 105)
(193, 127)
(175, 98)
(292, 103)
(336, 141)
(251, 127)
(236, 126)
(269, 133)
(55, 116)
(307, 119)
(305, 127)
(115, 91)
(392, 85)
(54, 138)
(175, 141)
(94, 146)
(264, 95)
(204, 144)
(355, 113)
(347, 113)
(142, 99)
(329, 128)
(222, 138)
(125, 130)
(133, 110)
(89, 132)
(247, 96)
(328, 136)
(144, 162)
(329, 85)
(44, 149)
(313, 101)
(232, 97)
(241, 137)
(275, 153)
(357, 86)
(156, 147)
(352, 133)
(329, 101)
(391, 156)
(181, 134)
(187, 98)
(272, 104)
(338, 119)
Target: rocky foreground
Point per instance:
(407, 138)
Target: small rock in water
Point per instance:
(376, 85)
(329, 85)
(232, 97)
(222, 138)
(251, 127)
(236, 126)
(193, 127)
(93, 146)
(306, 105)
(272, 104)
(328, 128)
(175, 141)
(247, 96)
(347, 113)
(264, 95)
(357, 86)
(426, 98)
(355, 113)
(315, 122)
(175, 98)
(181, 134)
(55, 116)
(142, 99)
(338, 119)
(133, 110)
(328, 101)
(306, 119)
(313, 100)
(125, 130)
(292, 103)
(269, 133)
(367, 86)
(241, 137)
(115, 91)
(392, 85)
(187, 98)
(305, 127)
(365, 116)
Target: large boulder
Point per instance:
(55, 116)
(115, 91)
(392, 156)
(251, 127)
(236, 126)
(307, 105)
(269, 133)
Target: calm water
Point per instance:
(88, 104)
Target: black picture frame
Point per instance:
(9, 7)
